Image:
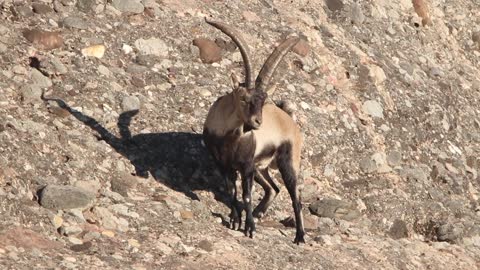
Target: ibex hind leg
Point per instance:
(289, 176)
(271, 190)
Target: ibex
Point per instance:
(246, 135)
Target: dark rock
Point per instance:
(334, 5)
(333, 208)
(450, 232)
(86, 5)
(64, 197)
(147, 60)
(206, 245)
(81, 247)
(41, 8)
(399, 229)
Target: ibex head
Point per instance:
(251, 95)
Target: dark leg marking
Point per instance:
(247, 181)
(284, 163)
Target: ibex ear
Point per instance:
(235, 82)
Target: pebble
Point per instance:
(205, 93)
(250, 16)
(356, 14)
(94, 51)
(399, 229)
(133, 6)
(127, 49)
(133, 243)
(436, 72)
(64, 197)
(333, 208)
(41, 8)
(153, 46)
(476, 37)
(39, 79)
(373, 108)
(31, 93)
(308, 88)
(86, 6)
(108, 233)
(75, 23)
(206, 245)
(70, 230)
(301, 48)
(304, 105)
(130, 103)
(57, 221)
(59, 67)
(210, 52)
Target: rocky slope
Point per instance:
(114, 175)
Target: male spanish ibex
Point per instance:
(246, 135)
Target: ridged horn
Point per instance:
(269, 67)
(242, 46)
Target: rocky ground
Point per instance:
(114, 175)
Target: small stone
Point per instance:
(163, 248)
(81, 247)
(70, 230)
(436, 72)
(127, 49)
(133, 6)
(373, 108)
(3, 48)
(44, 39)
(399, 229)
(60, 68)
(130, 103)
(134, 243)
(301, 48)
(394, 158)
(75, 22)
(210, 52)
(206, 245)
(41, 8)
(185, 214)
(367, 165)
(64, 197)
(476, 37)
(334, 5)
(205, 93)
(94, 51)
(75, 240)
(308, 88)
(356, 14)
(333, 208)
(31, 93)
(23, 11)
(109, 234)
(153, 46)
(250, 16)
(86, 6)
(39, 79)
(148, 60)
(304, 105)
(57, 221)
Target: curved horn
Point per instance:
(268, 69)
(242, 46)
